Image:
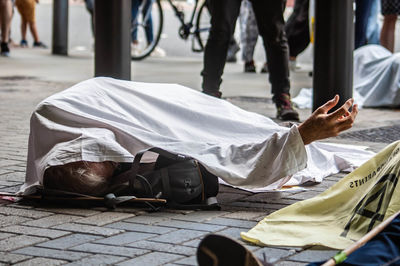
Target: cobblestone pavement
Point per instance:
(32, 234)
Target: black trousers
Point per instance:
(297, 28)
(271, 25)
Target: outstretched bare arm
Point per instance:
(321, 125)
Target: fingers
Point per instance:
(343, 111)
(328, 105)
(347, 121)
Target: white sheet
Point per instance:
(107, 119)
(376, 80)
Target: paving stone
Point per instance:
(313, 255)
(192, 225)
(200, 216)
(231, 208)
(178, 236)
(125, 238)
(42, 262)
(10, 258)
(257, 205)
(192, 260)
(34, 231)
(71, 211)
(51, 253)
(7, 163)
(12, 176)
(245, 215)
(10, 220)
(15, 168)
(88, 229)
(290, 263)
(169, 213)
(5, 235)
(3, 172)
(232, 232)
(192, 243)
(232, 222)
(141, 228)
(69, 241)
(7, 183)
(261, 197)
(110, 250)
(273, 254)
(27, 213)
(11, 189)
(149, 219)
(163, 247)
(104, 218)
(303, 195)
(154, 258)
(19, 241)
(229, 189)
(229, 197)
(52, 220)
(96, 260)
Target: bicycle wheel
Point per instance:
(146, 28)
(203, 26)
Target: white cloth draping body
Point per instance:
(107, 119)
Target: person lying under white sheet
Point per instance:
(80, 135)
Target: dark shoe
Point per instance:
(23, 43)
(249, 67)
(5, 51)
(39, 45)
(264, 69)
(285, 110)
(223, 251)
(216, 94)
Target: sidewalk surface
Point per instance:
(53, 235)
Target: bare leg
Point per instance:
(35, 35)
(23, 29)
(5, 16)
(387, 32)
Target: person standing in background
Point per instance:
(27, 10)
(271, 26)
(298, 31)
(5, 21)
(363, 12)
(390, 11)
(249, 37)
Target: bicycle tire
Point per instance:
(144, 49)
(203, 25)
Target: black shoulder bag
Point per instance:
(179, 179)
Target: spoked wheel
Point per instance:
(203, 26)
(146, 29)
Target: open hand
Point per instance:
(321, 125)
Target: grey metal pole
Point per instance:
(333, 51)
(112, 38)
(60, 27)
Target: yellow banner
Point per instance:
(340, 215)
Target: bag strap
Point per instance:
(132, 172)
(110, 200)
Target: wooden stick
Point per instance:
(89, 198)
(361, 242)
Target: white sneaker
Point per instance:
(158, 52)
(135, 50)
(293, 65)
